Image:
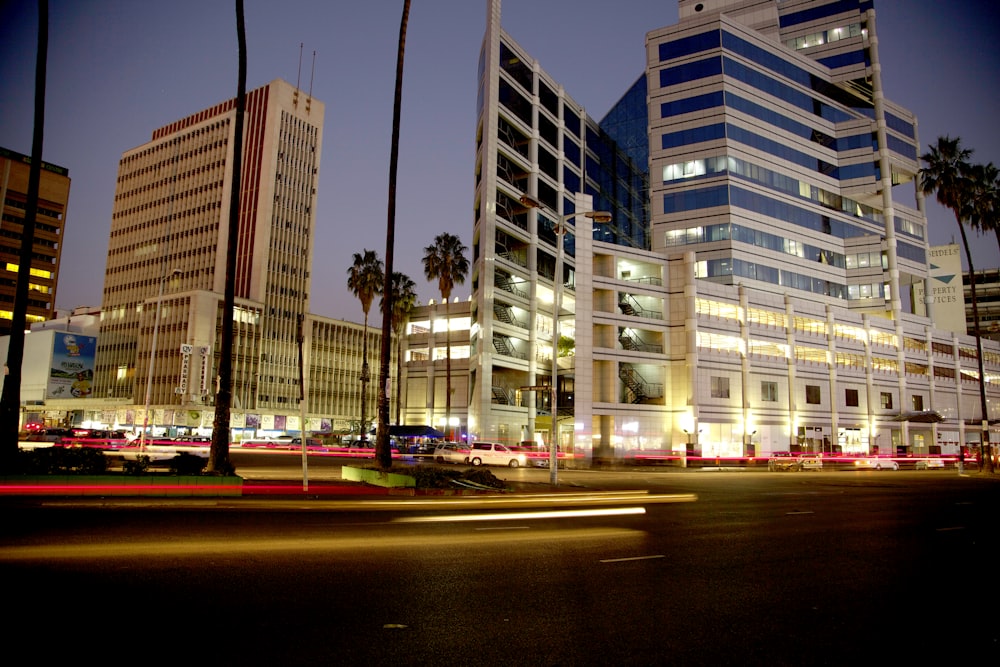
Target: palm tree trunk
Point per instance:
(218, 457)
(10, 400)
(383, 453)
(984, 444)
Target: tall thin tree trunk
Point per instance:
(382, 452)
(10, 400)
(218, 458)
(985, 460)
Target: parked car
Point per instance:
(280, 442)
(927, 464)
(780, 461)
(423, 449)
(809, 462)
(49, 435)
(876, 463)
(451, 452)
(493, 453)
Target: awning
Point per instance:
(919, 416)
(420, 431)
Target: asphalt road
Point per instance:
(712, 568)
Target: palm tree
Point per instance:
(364, 279)
(218, 457)
(984, 199)
(445, 262)
(403, 298)
(947, 177)
(382, 452)
(10, 399)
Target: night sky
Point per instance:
(118, 69)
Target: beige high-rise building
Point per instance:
(53, 197)
(165, 279)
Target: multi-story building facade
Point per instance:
(987, 302)
(748, 294)
(430, 330)
(53, 198)
(166, 273)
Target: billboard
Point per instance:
(947, 297)
(71, 374)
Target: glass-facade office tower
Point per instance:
(750, 293)
(774, 153)
(533, 139)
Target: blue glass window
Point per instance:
(548, 131)
(571, 179)
(904, 148)
(571, 121)
(779, 149)
(688, 45)
(866, 140)
(816, 221)
(699, 69)
(511, 63)
(767, 59)
(572, 151)
(691, 200)
(863, 170)
(779, 120)
(515, 102)
(773, 87)
(845, 59)
(899, 125)
(911, 252)
(695, 135)
(689, 104)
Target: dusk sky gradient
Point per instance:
(118, 69)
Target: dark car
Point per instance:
(782, 461)
(422, 449)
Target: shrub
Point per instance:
(138, 466)
(442, 478)
(483, 476)
(62, 461)
(186, 463)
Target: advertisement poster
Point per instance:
(72, 371)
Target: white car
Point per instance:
(876, 463)
(451, 452)
(495, 454)
(927, 464)
(809, 462)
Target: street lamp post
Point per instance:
(557, 286)
(152, 358)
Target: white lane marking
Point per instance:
(511, 516)
(623, 560)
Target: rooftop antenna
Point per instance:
(298, 77)
(312, 74)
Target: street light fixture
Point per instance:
(557, 286)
